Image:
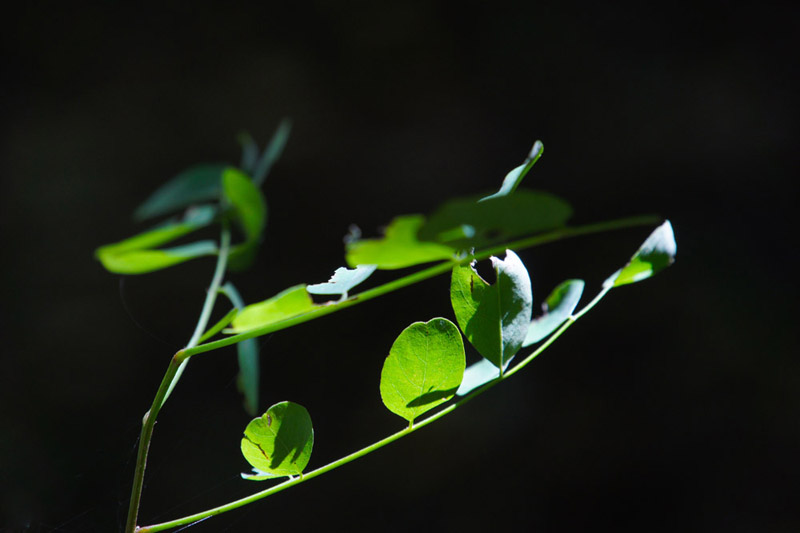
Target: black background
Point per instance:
(672, 406)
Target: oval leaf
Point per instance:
(279, 443)
(399, 248)
(494, 318)
(557, 308)
(289, 303)
(249, 211)
(343, 280)
(424, 368)
(514, 178)
(197, 184)
(479, 374)
(655, 254)
(495, 219)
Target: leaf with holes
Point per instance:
(424, 368)
(279, 442)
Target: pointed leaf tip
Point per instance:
(514, 178)
(655, 254)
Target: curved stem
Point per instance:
(171, 377)
(377, 445)
(422, 275)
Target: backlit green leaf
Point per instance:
(655, 254)
(514, 178)
(343, 280)
(399, 248)
(424, 368)
(195, 185)
(289, 303)
(557, 308)
(494, 318)
(465, 223)
(249, 211)
(278, 443)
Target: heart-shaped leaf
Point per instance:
(514, 178)
(424, 368)
(278, 443)
(343, 280)
(655, 254)
(494, 318)
(557, 308)
(289, 303)
(466, 223)
(399, 248)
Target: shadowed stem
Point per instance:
(414, 426)
(176, 366)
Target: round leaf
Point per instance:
(279, 442)
(424, 368)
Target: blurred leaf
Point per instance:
(195, 185)
(272, 152)
(465, 223)
(249, 211)
(247, 353)
(249, 152)
(399, 248)
(289, 303)
(557, 308)
(494, 318)
(136, 255)
(655, 254)
(216, 328)
(479, 374)
(278, 443)
(343, 280)
(514, 178)
(424, 368)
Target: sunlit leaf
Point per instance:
(479, 374)
(514, 178)
(272, 152)
(343, 280)
(655, 254)
(195, 185)
(249, 211)
(279, 443)
(424, 368)
(136, 255)
(399, 247)
(557, 308)
(465, 223)
(494, 318)
(289, 303)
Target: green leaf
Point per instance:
(655, 254)
(249, 211)
(343, 280)
(195, 185)
(289, 303)
(272, 152)
(247, 352)
(479, 374)
(249, 152)
(399, 248)
(279, 442)
(136, 255)
(424, 368)
(514, 178)
(494, 318)
(216, 328)
(557, 308)
(466, 223)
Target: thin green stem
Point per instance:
(423, 275)
(171, 377)
(412, 427)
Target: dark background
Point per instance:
(672, 406)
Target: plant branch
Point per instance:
(176, 366)
(423, 275)
(377, 445)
